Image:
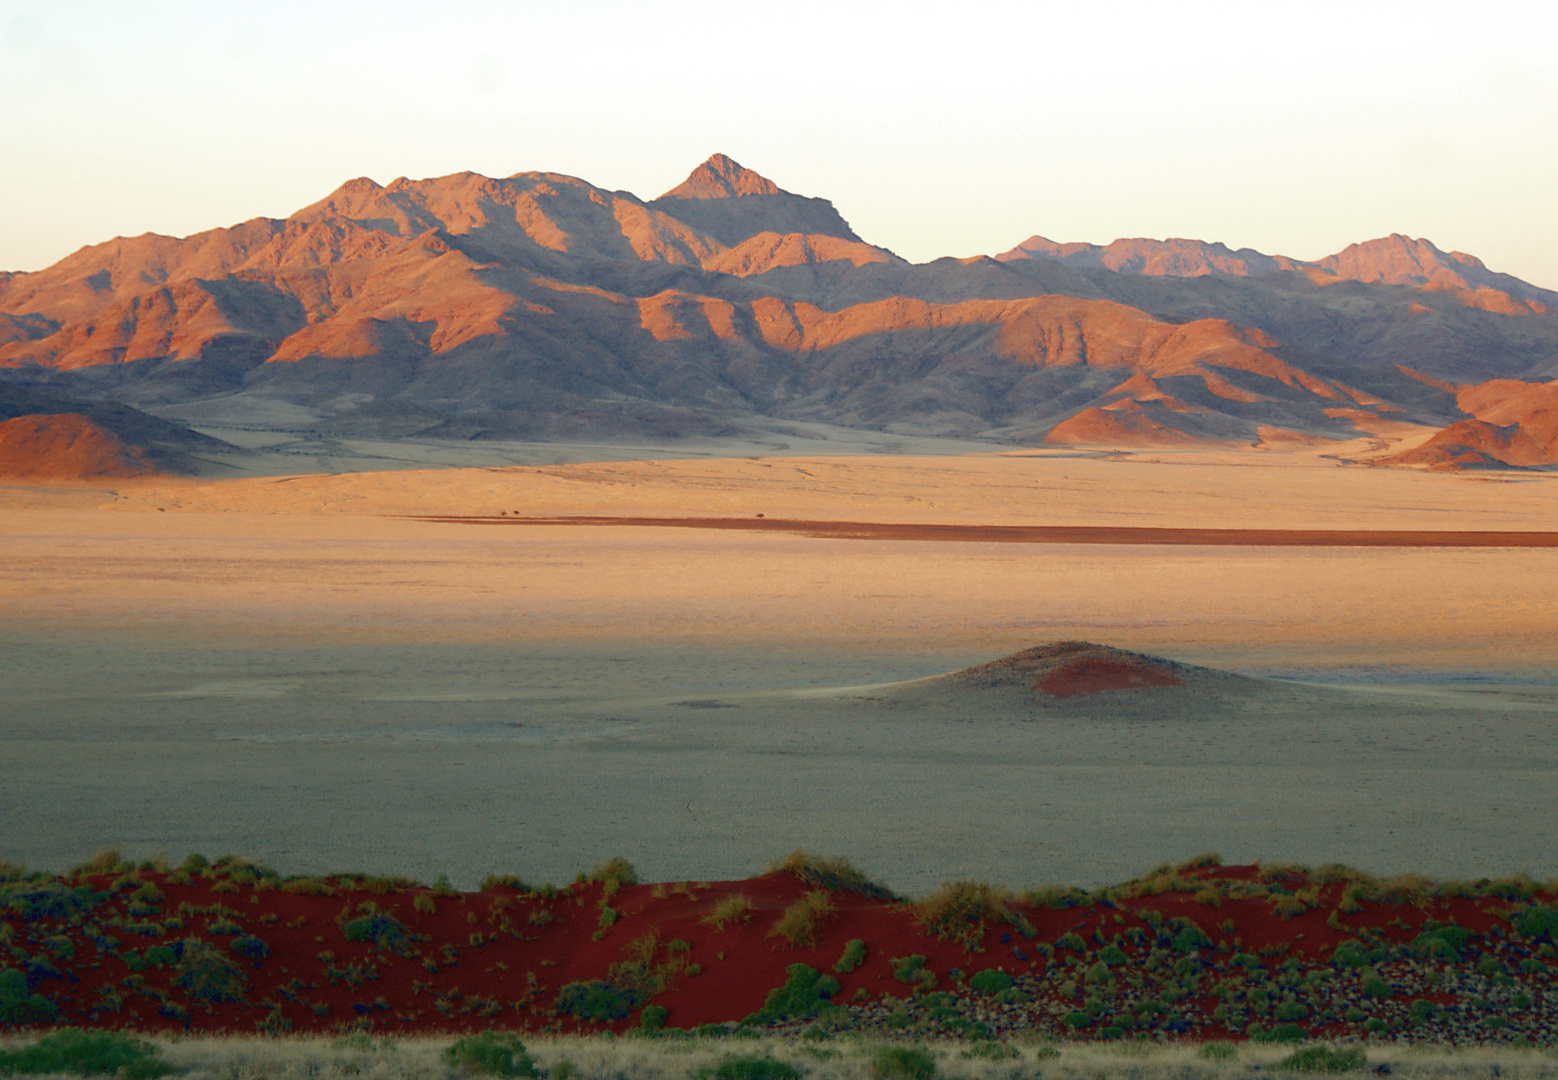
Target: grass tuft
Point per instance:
(737, 907)
(798, 924)
(830, 874)
(959, 910)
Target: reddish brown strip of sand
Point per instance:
(1051, 534)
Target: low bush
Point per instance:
(903, 1063)
(653, 1017)
(990, 1050)
(207, 974)
(854, 955)
(991, 981)
(18, 1007)
(377, 927)
(754, 1068)
(1539, 922)
(1217, 1051)
(1325, 1059)
(490, 1053)
(614, 874)
(1278, 1034)
(48, 899)
(594, 1000)
(250, 946)
(804, 995)
(82, 1053)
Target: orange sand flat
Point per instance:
(351, 558)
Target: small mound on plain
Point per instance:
(1083, 679)
(1069, 669)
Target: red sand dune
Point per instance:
(235, 948)
(66, 447)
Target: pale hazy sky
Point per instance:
(937, 129)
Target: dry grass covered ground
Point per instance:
(846, 1059)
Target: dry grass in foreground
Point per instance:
(795, 1058)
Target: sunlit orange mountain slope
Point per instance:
(540, 305)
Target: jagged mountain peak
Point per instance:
(721, 177)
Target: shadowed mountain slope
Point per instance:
(542, 306)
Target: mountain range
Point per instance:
(540, 306)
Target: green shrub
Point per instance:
(491, 1053)
(594, 1000)
(83, 1053)
(378, 927)
(48, 899)
(1536, 921)
(206, 974)
(1112, 955)
(911, 971)
(903, 1063)
(1280, 1033)
(1441, 942)
(804, 995)
(990, 1050)
(754, 1068)
(653, 1017)
(1217, 1051)
(614, 874)
(18, 1007)
(991, 981)
(1378, 989)
(1190, 937)
(1325, 1059)
(249, 945)
(854, 956)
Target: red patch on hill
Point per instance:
(1095, 674)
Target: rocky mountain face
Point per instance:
(542, 306)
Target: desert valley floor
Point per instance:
(315, 670)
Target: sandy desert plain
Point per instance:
(313, 666)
